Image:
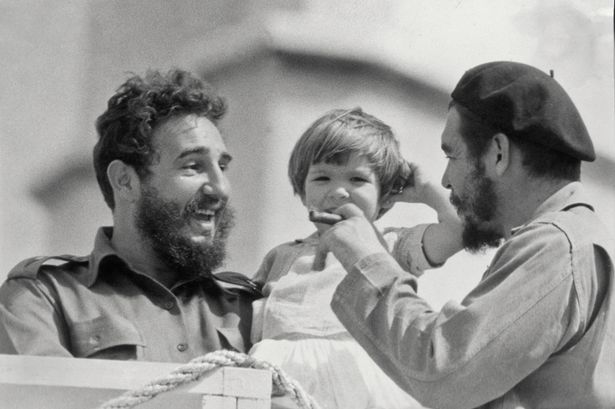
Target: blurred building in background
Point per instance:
(280, 65)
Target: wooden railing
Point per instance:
(28, 382)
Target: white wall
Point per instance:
(42, 63)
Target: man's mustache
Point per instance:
(456, 201)
(206, 202)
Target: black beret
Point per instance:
(520, 100)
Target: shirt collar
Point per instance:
(102, 250)
(570, 195)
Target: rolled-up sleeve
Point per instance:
(472, 352)
(407, 248)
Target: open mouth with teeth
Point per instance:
(202, 222)
(204, 215)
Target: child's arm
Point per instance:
(440, 240)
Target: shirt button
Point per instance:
(182, 347)
(168, 305)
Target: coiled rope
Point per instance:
(193, 370)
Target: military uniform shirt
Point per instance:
(97, 307)
(538, 331)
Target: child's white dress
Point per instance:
(297, 330)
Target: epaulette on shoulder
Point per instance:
(237, 282)
(30, 267)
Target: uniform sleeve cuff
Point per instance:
(379, 269)
(408, 250)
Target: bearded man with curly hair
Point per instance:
(148, 289)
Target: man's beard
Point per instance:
(478, 206)
(161, 223)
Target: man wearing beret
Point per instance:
(538, 331)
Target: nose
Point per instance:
(339, 193)
(445, 182)
(217, 186)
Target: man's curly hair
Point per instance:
(137, 108)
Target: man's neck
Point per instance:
(519, 204)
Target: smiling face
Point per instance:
(182, 211)
(472, 193)
(330, 185)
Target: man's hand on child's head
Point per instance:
(414, 191)
(349, 240)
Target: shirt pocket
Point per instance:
(107, 337)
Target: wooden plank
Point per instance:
(49, 397)
(246, 403)
(241, 383)
(65, 383)
(109, 374)
(219, 402)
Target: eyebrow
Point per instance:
(312, 171)
(202, 151)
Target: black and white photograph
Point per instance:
(307, 204)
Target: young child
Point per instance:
(345, 156)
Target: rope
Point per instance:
(194, 369)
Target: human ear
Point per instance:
(500, 153)
(124, 181)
